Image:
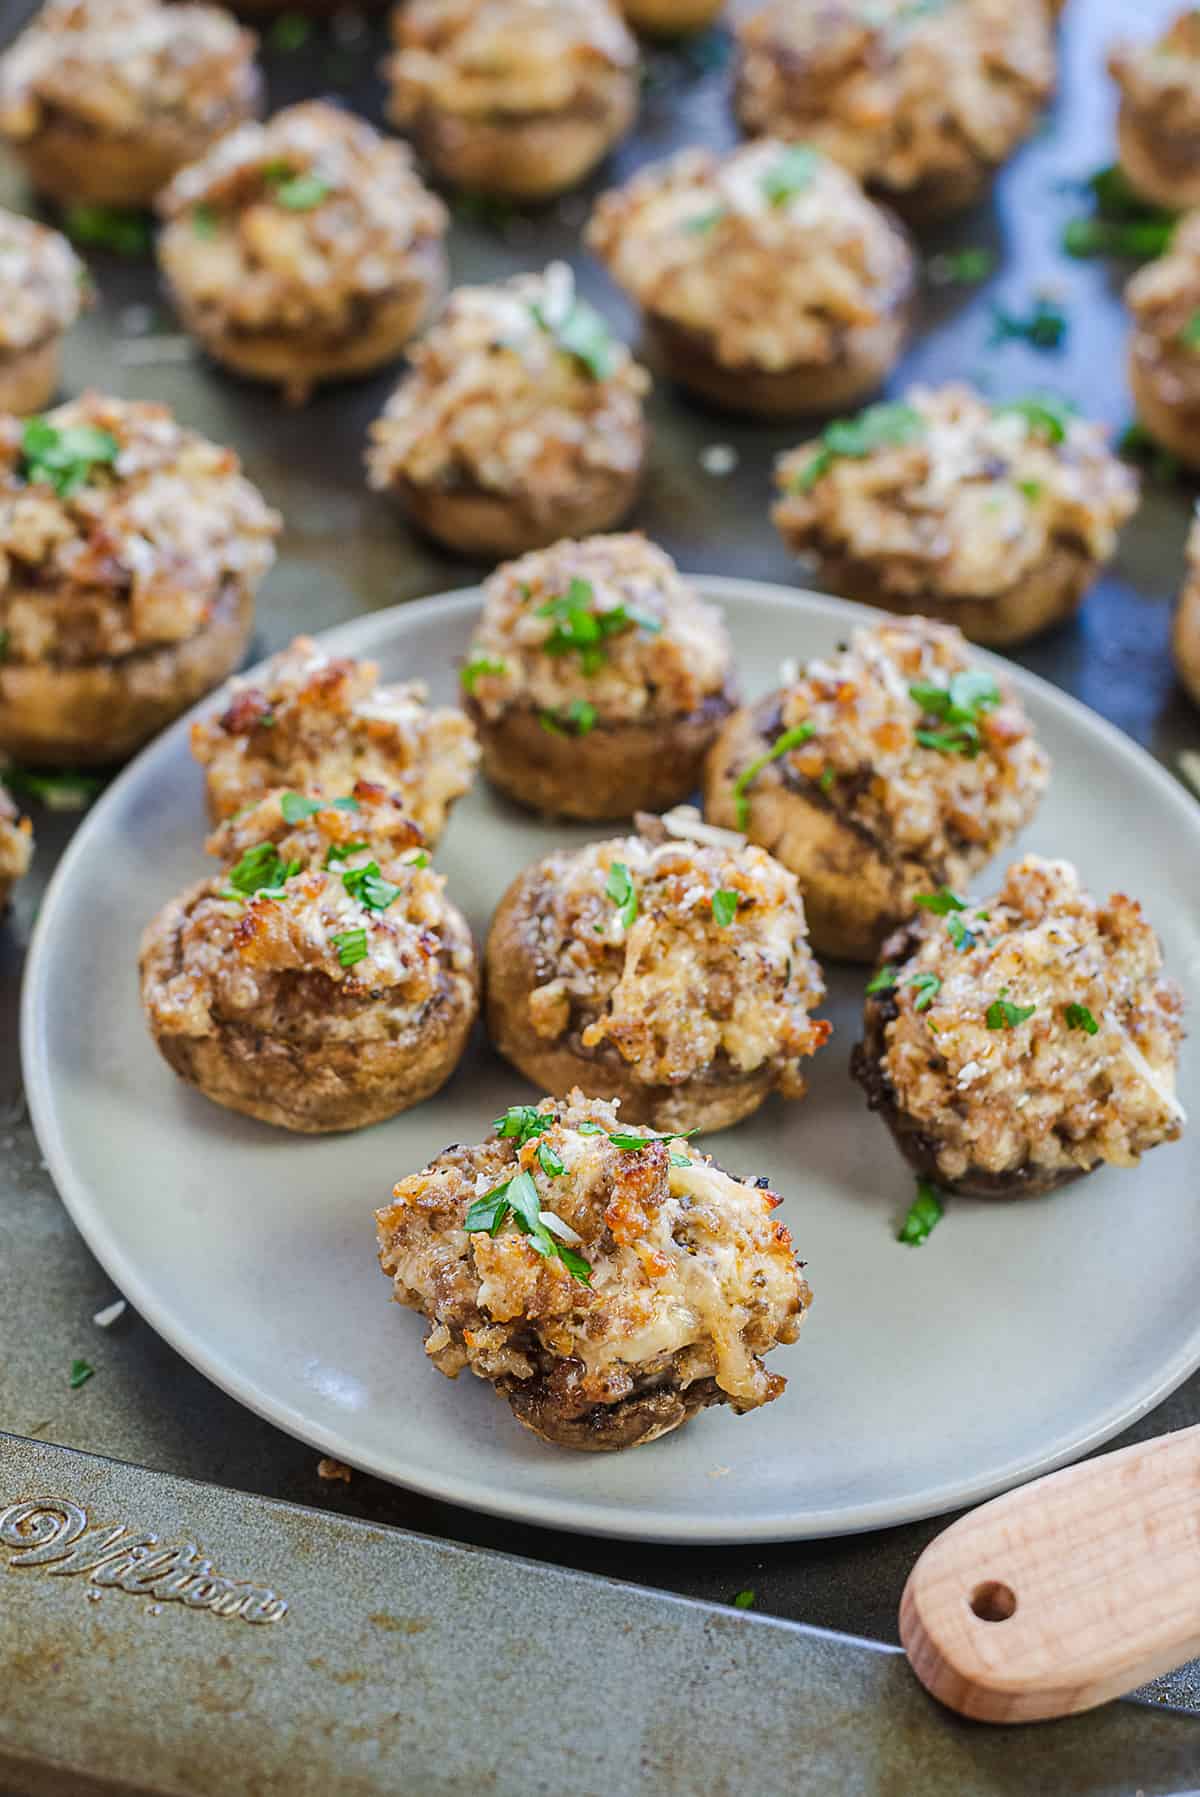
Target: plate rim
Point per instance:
(568, 1514)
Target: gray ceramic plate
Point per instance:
(1017, 1338)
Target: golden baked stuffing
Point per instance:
(1164, 352)
(608, 1283)
(770, 254)
(16, 845)
(1160, 112)
(41, 284)
(519, 390)
(920, 99)
(322, 723)
(1035, 1034)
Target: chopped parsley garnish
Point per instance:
(522, 1122)
(701, 222)
(790, 739)
(81, 1372)
(962, 938)
(724, 906)
(342, 851)
(744, 1600)
(923, 1215)
(1032, 489)
(959, 706)
(351, 946)
(204, 221)
(116, 228)
(790, 174)
(619, 887)
(1080, 1018)
(827, 779)
(549, 1162)
(518, 1198)
(297, 192)
(1047, 414)
(260, 870)
(4, 639)
(960, 268)
(57, 792)
(420, 859)
(296, 808)
(368, 886)
(289, 32)
(882, 981)
(580, 629)
(941, 902)
(577, 720)
(634, 1140)
(1121, 222)
(878, 427)
(1043, 327)
(63, 457)
(581, 332)
(1189, 336)
(1002, 1014)
(477, 667)
(926, 986)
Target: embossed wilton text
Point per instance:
(56, 1535)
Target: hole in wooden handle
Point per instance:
(993, 1602)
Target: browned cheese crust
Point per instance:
(333, 997)
(517, 98)
(1158, 126)
(863, 811)
(502, 436)
(303, 250)
(682, 1279)
(42, 290)
(1185, 639)
(768, 281)
(127, 589)
(1034, 1047)
(321, 723)
(103, 100)
(690, 1021)
(597, 679)
(922, 102)
(16, 846)
(993, 518)
(1164, 352)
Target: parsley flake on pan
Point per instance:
(117, 228)
(923, 1215)
(81, 1372)
(744, 1600)
(1043, 327)
(791, 739)
(1120, 224)
(518, 1198)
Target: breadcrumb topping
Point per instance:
(661, 651)
(708, 965)
(939, 812)
(320, 723)
(691, 1276)
(1160, 83)
(293, 224)
(771, 253)
(349, 933)
(122, 65)
(135, 555)
(497, 399)
(484, 59)
(1050, 1042)
(899, 92)
(963, 504)
(1164, 301)
(41, 283)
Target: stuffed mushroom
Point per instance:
(886, 769)
(597, 679)
(43, 286)
(608, 1283)
(1185, 640)
(1164, 350)
(16, 846)
(1017, 1045)
(996, 518)
(130, 552)
(303, 250)
(322, 723)
(670, 970)
(103, 100)
(1158, 125)
(768, 282)
(323, 980)
(515, 98)
(921, 102)
(519, 421)
(670, 18)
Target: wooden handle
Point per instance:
(1065, 1593)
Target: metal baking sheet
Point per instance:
(346, 551)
